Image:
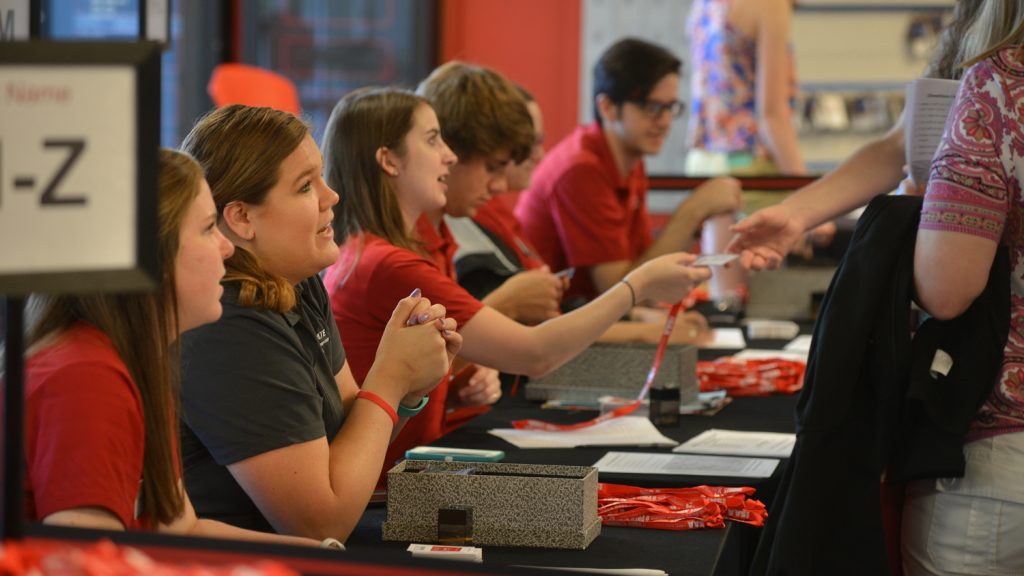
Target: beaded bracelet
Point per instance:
(367, 395)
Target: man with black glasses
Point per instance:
(587, 206)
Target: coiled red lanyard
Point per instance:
(670, 322)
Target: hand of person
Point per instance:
(475, 385)
(530, 297)
(415, 349)
(720, 195)
(817, 237)
(909, 188)
(765, 237)
(691, 328)
(667, 279)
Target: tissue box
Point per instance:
(618, 369)
(507, 504)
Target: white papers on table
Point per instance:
(686, 465)
(727, 339)
(621, 431)
(735, 443)
(924, 118)
(610, 571)
(759, 354)
(801, 343)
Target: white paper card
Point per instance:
(686, 465)
(927, 106)
(727, 339)
(762, 354)
(736, 443)
(621, 431)
(801, 343)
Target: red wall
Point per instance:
(533, 42)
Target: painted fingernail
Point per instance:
(424, 317)
(448, 332)
(415, 293)
(412, 321)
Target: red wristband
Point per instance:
(367, 395)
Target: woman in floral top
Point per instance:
(974, 203)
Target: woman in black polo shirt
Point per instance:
(273, 437)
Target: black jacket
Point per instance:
(869, 403)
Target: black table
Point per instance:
(705, 552)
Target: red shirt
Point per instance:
(84, 433)
(363, 296)
(439, 244)
(581, 212)
(497, 218)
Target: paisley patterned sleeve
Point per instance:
(968, 188)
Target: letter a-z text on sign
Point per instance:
(51, 193)
(79, 134)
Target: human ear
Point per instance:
(385, 158)
(608, 109)
(237, 220)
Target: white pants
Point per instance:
(972, 525)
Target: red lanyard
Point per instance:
(670, 322)
(677, 508)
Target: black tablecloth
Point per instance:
(706, 552)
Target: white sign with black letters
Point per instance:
(77, 186)
(66, 149)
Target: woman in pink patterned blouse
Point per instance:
(974, 202)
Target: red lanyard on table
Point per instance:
(677, 508)
(670, 322)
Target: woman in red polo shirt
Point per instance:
(100, 416)
(384, 155)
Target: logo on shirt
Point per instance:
(322, 338)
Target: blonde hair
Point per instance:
(141, 327)
(242, 149)
(998, 24)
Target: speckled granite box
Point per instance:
(512, 504)
(618, 369)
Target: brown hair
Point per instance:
(946, 60)
(242, 148)
(480, 111)
(361, 123)
(141, 328)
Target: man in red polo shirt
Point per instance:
(587, 207)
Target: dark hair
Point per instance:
(946, 60)
(480, 111)
(360, 124)
(242, 148)
(141, 326)
(629, 69)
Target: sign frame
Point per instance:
(143, 59)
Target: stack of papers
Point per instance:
(621, 431)
(685, 465)
(735, 443)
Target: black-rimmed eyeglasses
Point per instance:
(654, 109)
